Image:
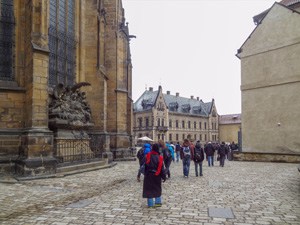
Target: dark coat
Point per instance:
(209, 150)
(154, 174)
(198, 150)
(223, 150)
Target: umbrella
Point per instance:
(145, 138)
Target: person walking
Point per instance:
(154, 175)
(177, 149)
(186, 154)
(168, 155)
(222, 152)
(210, 151)
(173, 151)
(198, 158)
(141, 156)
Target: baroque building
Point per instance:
(65, 83)
(174, 118)
(270, 85)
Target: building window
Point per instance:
(183, 136)
(158, 122)
(200, 137)
(200, 125)
(183, 124)
(195, 137)
(140, 122)
(177, 137)
(170, 137)
(170, 123)
(163, 137)
(177, 124)
(195, 125)
(7, 27)
(189, 124)
(147, 122)
(204, 125)
(158, 136)
(62, 44)
(140, 135)
(162, 122)
(205, 137)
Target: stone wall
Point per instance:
(266, 157)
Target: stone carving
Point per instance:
(68, 105)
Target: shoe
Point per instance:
(158, 205)
(197, 175)
(150, 207)
(201, 175)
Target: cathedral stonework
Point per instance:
(60, 78)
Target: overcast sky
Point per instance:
(189, 47)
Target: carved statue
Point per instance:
(69, 104)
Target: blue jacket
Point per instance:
(171, 150)
(147, 148)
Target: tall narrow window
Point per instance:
(7, 26)
(147, 122)
(62, 42)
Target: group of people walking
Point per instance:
(155, 161)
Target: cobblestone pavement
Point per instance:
(241, 193)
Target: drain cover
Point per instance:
(221, 213)
(80, 204)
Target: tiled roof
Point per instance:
(230, 119)
(289, 3)
(175, 104)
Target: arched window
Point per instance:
(7, 26)
(62, 42)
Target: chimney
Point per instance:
(150, 88)
(168, 92)
(177, 94)
(197, 98)
(192, 96)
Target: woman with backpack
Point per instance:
(154, 175)
(198, 158)
(186, 154)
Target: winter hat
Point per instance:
(155, 148)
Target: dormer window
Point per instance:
(186, 108)
(173, 106)
(197, 109)
(147, 104)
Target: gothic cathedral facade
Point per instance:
(68, 62)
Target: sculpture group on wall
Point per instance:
(69, 104)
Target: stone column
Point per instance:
(36, 155)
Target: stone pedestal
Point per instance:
(36, 153)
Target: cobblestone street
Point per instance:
(241, 193)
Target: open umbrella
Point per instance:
(145, 138)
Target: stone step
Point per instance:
(81, 166)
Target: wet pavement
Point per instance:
(240, 193)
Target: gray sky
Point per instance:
(189, 47)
